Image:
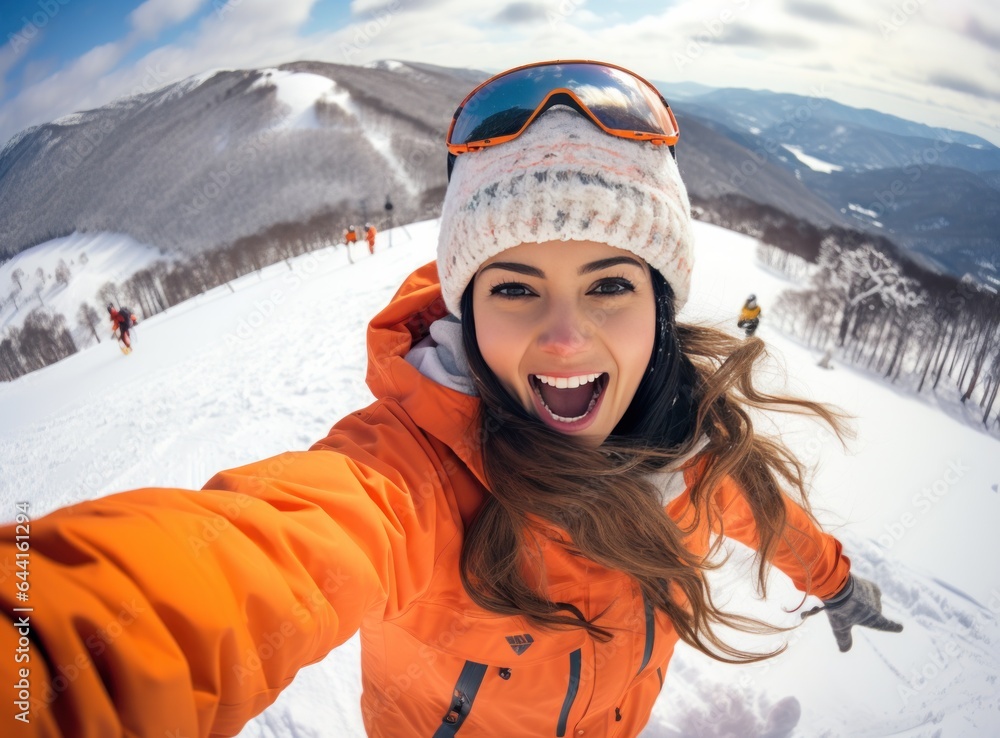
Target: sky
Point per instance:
(933, 61)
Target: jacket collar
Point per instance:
(448, 415)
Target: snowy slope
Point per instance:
(225, 379)
(105, 256)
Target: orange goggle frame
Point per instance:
(618, 101)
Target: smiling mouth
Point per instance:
(569, 401)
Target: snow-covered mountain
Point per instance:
(310, 147)
(229, 153)
(231, 377)
(933, 191)
(854, 138)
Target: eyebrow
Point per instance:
(594, 266)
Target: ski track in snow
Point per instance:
(226, 379)
(299, 92)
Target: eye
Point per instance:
(511, 290)
(612, 286)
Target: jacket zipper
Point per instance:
(462, 698)
(647, 652)
(575, 659)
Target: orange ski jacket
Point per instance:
(118, 319)
(749, 313)
(172, 612)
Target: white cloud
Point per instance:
(155, 15)
(12, 52)
(932, 64)
(80, 85)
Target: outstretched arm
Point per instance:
(813, 560)
(169, 612)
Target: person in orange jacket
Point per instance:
(370, 237)
(122, 320)
(519, 525)
(350, 237)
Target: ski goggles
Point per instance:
(618, 101)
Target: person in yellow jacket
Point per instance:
(519, 525)
(749, 316)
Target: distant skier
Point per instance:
(370, 237)
(749, 316)
(122, 320)
(350, 236)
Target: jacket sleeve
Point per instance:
(812, 558)
(178, 613)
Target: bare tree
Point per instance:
(901, 321)
(63, 274)
(11, 364)
(87, 317)
(16, 277)
(108, 293)
(44, 339)
(144, 288)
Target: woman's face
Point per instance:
(568, 328)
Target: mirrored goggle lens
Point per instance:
(615, 98)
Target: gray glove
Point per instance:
(858, 603)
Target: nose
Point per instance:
(566, 330)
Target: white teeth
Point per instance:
(567, 382)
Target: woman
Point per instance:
(518, 526)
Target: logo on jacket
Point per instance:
(520, 643)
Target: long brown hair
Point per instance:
(699, 384)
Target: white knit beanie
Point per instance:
(565, 179)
